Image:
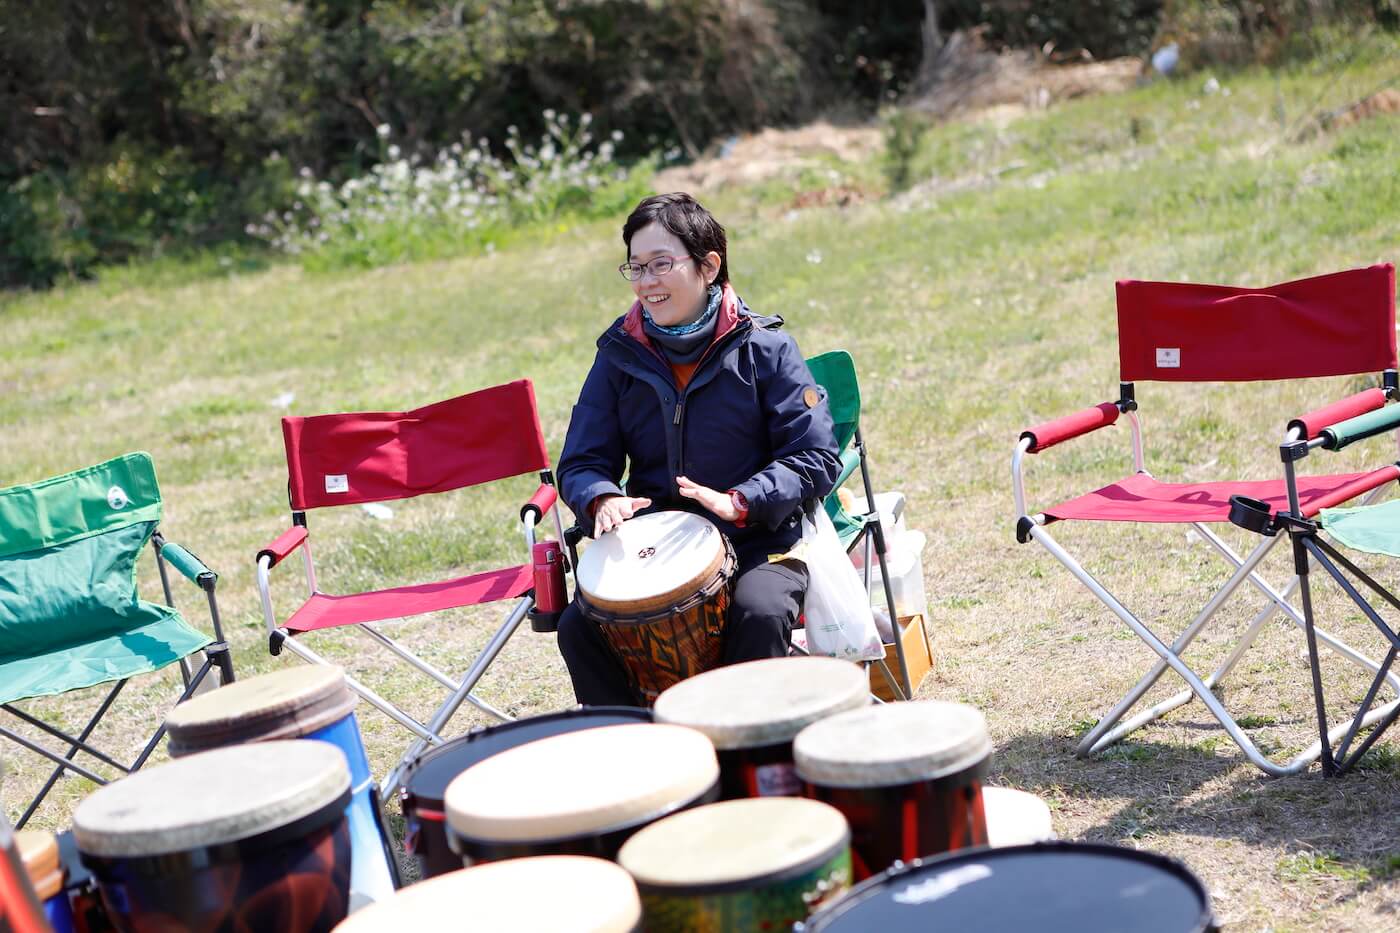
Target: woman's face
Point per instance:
(679, 296)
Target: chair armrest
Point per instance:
(190, 566)
(1361, 427)
(1313, 423)
(1049, 433)
(542, 501)
(287, 542)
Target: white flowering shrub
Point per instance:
(408, 207)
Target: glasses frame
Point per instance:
(645, 267)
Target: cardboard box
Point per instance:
(916, 655)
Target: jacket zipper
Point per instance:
(679, 420)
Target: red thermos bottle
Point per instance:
(550, 598)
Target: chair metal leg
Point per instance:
(430, 670)
(1170, 658)
(374, 699)
(445, 712)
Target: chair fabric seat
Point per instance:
(1374, 529)
(322, 611)
(154, 636)
(1140, 498)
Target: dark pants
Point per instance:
(766, 603)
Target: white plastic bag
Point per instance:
(839, 622)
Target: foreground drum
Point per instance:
(739, 865)
(39, 853)
(425, 782)
(1051, 887)
(659, 589)
(908, 777)
(583, 793)
(550, 894)
(752, 711)
(305, 702)
(252, 837)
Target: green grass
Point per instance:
(976, 303)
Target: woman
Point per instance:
(706, 407)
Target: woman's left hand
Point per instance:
(717, 502)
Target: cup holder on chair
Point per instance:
(1252, 515)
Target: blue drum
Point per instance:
(1049, 887)
(307, 702)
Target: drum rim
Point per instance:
(832, 771)
(714, 580)
(457, 839)
(197, 858)
(858, 894)
(408, 796)
(325, 700)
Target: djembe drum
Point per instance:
(581, 793)
(251, 837)
(908, 777)
(752, 711)
(759, 864)
(659, 588)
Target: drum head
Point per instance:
(1015, 818)
(214, 797)
(429, 776)
(1055, 887)
(765, 702)
(650, 562)
(895, 743)
(546, 894)
(582, 783)
(285, 704)
(735, 844)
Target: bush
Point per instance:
(465, 197)
(1235, 33)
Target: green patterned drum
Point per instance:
(755, 864)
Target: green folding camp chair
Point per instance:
(1371, 529)
(835, 372)
(70, 616)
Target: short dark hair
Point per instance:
(685, 218)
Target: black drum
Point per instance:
(1049, 887)
(425, 782)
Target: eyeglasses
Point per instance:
(632, 271)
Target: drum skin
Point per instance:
(675, 630)
(427, 778)
(1049, 887)
(296, 885)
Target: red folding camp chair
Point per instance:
(1331, 325)
(349, 459)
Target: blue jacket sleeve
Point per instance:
(805, 463)
(592, 462)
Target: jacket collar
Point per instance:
(728, 319)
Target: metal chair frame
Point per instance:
(1111, 728)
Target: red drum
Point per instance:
(752, 711)
(659, 588)
(583, 793)
(908, 777)
(251, 837)
(549, 894)
(425, 782)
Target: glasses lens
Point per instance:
(660, 266)
(630, 271)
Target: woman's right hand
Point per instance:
(612, 511)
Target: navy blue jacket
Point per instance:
(751, 418)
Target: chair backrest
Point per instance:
(480, 437)
(68, 552)
(835, 371)
(1328, 325)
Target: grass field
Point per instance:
(976, 303)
